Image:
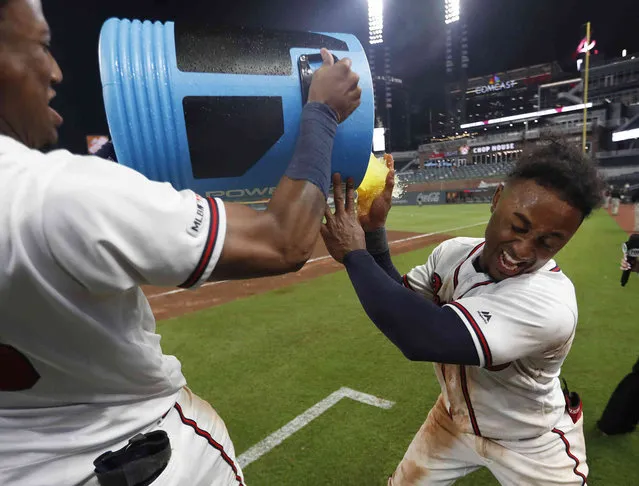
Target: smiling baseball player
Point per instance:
(86, 394)
(496, 315)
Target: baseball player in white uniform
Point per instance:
(496, 315)
(86, 395)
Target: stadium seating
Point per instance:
(434, 174)
(621, 180)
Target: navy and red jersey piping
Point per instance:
(209, 246)
(469, 405)
(479, 284)
(563, 438)
(216, 445)
(407, 283)
(488, 356)
(456, 274)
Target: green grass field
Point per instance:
(264, 360)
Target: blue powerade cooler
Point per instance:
(218, 110)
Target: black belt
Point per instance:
(138, 463)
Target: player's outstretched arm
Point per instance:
(112, 229)
(419, 328)
(282, 238)
(275, 241)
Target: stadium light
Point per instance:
(379, 140)
(375, 21)
(625, 135)
(524, 116)
(453, 10)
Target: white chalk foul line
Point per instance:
(279, 436)
(327, 257)
(426, 235)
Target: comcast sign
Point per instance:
(495, 84)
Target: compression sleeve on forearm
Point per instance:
(419, 328)
(312, 158)
(377, 245)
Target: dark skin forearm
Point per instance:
(275, 241)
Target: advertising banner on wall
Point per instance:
(416, 198)
(494, 84)
(423, 198)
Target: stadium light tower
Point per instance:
(452, 11)
(376, 21)
(379, 58)
(456, 64)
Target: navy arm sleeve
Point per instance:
(419, 328)
(312, 157)
(385, 263)
(377, 245)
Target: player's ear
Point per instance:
(496, 196)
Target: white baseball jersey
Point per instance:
(522, 327)
(81, 366)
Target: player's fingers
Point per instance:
(390, 184)
(354, 80)
(324, 231)
(346, 62)
(390, 161)
(356, 94)
(338, 193)
(354, 105)
(350, 195)
(328, 214)
(327, 57)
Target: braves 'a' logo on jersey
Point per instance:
(436, 284)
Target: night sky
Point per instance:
(503, 34)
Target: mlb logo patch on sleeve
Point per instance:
(195, 227)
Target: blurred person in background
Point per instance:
(615, 200)
(606, 198)
(621, 414)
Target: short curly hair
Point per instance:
(560, 166)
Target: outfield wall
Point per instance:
(443, 192)
(448, 192)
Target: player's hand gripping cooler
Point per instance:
(218, 110)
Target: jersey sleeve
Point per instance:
(111, 228)
(423, 279)
(516, 322)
